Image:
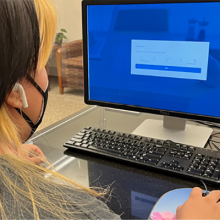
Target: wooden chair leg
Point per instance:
(58, 58)
(61, 88)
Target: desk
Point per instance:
(135, 189)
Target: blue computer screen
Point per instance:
(160, 56)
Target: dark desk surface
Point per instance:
(134, 190)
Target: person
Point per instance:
(27, 32)
(200, 207)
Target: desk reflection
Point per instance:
(134, 191)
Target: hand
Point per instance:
(199, 207)
(33, 153)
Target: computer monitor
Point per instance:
(153, 56)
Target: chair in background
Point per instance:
(70, 66)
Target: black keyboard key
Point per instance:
(204, 163)
(111, 132)
(70, 142)
(215, 174)
(153, 141)
(162, 150)
(151, 156)
(196, 162)
(158, 146)
(75, 140)
(186, 157)
(104, 151)
(214, 160)
(152, 161)
(87, 128)
(195, 172)
(141, 159)
(146, 140)
(78, 136)
(168, 143)
(205, 160)
(129, 154)
(77, 144)
(134, 157)
(160, 142)
(201, 167)
(173, 152)
(124, 154)
(164, 164)
(194, 166)
(200, 157)
(154, 154)
(207, 173)
(211, 163)
(174, 162)
(172, 166)
(218, 166)
(84, 145)
(191, 149)
(207, 157)
(189, 152)
(210, 168)
(138, 138)
(179, 168)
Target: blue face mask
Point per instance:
(45, 98)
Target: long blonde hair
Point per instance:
(28, 172)
(47, 25)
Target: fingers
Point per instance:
(36, 157)
(35, 160)
(178, 208)
(33, 154)
(214, 195)
(196, 192)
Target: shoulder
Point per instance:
(75, 203)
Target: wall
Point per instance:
(69, 17)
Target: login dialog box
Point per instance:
(177, 59)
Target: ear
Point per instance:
(14, 99)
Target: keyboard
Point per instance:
(162, 155)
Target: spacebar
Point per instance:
(105, 151)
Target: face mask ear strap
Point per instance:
(18, 87)
(36, 85)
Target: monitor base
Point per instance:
(192, 135)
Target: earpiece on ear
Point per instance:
(20, 88)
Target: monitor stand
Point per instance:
(174, 129)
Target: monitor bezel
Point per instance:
(88, 101)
